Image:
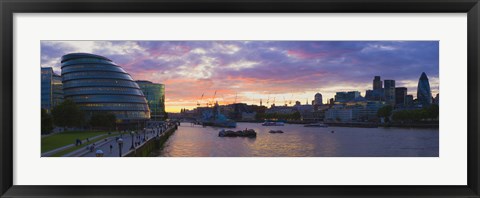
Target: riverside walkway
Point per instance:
(139, 138)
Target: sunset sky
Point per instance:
(253, 70)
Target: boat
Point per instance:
(273, 124)
(275, 131)
(316, 125)
(213, 117)
(220, 123)
(250, 133)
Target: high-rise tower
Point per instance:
(377, 83)
(318, 99)
(424, 94)
(389, 89)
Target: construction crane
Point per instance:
(291, 97)
(198, 103)
(213, 99)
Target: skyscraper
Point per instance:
(51, 89)
(424, 94)
(155, 95)
(377, 94)
(389, 90)
(318, 99)
(97, 84)
(408, 100)
(377, 83)
(400, 93)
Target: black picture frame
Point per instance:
(10, 7)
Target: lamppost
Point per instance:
(132, 134)
(120, 145)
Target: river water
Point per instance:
(299, 141)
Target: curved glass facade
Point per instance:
(97, 84)
(155, 95)
(424, 94)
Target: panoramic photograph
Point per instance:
(239, 98)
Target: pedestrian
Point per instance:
(88, 140)
(111, 148)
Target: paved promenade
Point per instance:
(139, 138)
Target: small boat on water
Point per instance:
(275, 131)
(273, 124)
(316, 125)
(245, 133)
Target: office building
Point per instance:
(408, 100)
(339, 113)
(155, 95)
(51, 89)
(377, 83)
(400, 93)
(437, 99)
(424, 94)
(97, 84)
(347, 96)
(318, 99)
(389, 91)
(375, 95)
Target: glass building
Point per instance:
(318, 99)
(155, 95)
(400, 93)
(424, 94)
(389, 91)
(51, 89)
(347, 96)
(97, 84)
(377, 83)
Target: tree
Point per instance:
(385, 112)
(165, 115)
(47, 122)
(68, 114)
(260, 116)
(103, 120)
(296, 115)
(432, 111)
(417, 115)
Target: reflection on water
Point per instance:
(198, 141)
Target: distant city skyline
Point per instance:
(247, 71)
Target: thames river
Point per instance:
(299, 141)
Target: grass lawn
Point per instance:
(65, 138)
(66, 151)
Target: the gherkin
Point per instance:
(424, 94)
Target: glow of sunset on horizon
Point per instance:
(249, 71)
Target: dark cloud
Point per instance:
(263, 66)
